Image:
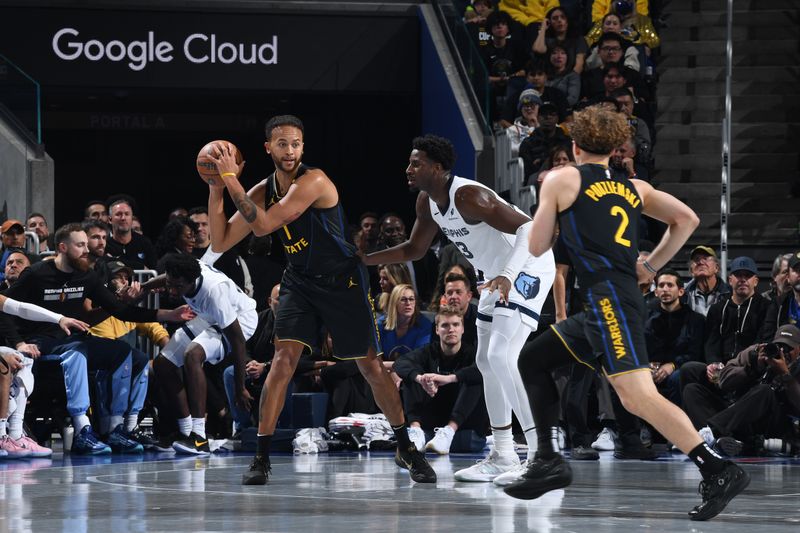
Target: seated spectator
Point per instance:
(787, 309)
(560, 77)
(623, 158)
(390, 277)
(557, 30)
(733, 323)
(177, 236)
(559, 156)
(779, 280)
(766, 379)
(636, 25)
(96, 210)
(136, 225)
(403, 328)
(17, 261)
(536, 78)
(133, 249)
(611, 24)
(535, 148)
(97, 233)
(504, 57)
(38, 224)
(674, 335)
(706, 286)
(423, 271)
(641, 131)
(475, 16)
(459, 296)
(370, 232)
(12, 233)
(468, 271)
(610, 52)
(442, 386)
(526, 122)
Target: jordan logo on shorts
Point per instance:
(351, 283)
(527, 285)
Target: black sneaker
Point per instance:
(414, 461)
(194, 444)
(639, 452)
(258, 472)
(718, 490)
(584, 453)
(541, 476)
(165, 442)
(729, 446)
(144, 436)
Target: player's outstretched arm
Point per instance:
(422, 235)
(681, 219)
(227, 233)
(29, 311)
(233, 333)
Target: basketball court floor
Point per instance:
(367, 492)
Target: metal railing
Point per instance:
(153, 301)
(509, 174)
(725, 190)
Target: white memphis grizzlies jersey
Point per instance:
(488, 250)
(218, 300)
(485, 247)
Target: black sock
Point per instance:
(546, 438)
(262, 446)
(707, 460)
(401, 434)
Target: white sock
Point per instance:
(503, 441)
(185, 425)
(114, 421)
(199, 426)
(131, 422)
(3, 424)
(18, 416)
(79, 422)
(533, 443)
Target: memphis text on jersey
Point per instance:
(62, 293)
(463, 232)
(613, 327)
(599, 189)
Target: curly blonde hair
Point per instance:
(598, 130)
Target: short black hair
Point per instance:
(182, 266)
(36, 214)
(199, 210)
(622, 91)
(611, 66)
(611, 36)
(438, 149)
(496, 17)
(390, 214)
(671, 272)
(536, 66)
(283, 120)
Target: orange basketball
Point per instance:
(206, 166)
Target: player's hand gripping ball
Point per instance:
(206, 166)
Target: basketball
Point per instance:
(206, 166)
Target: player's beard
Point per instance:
(80, 264)
(281, 164)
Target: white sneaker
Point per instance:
(511, 476)
(605, 440)
(417, 437)
(487, 469)
(441, 441)
(708, 436)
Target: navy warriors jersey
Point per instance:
(316, 243)
(600, 229)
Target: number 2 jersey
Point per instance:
(600, 228)
(488, 250)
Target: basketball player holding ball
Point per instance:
(324, 282)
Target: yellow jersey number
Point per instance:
(623, 225)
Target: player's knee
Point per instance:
(282, 365)
(195, 357)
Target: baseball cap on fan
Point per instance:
(789, 335)
(10, 223)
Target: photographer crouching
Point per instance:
(770, 375)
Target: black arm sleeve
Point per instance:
(102, 297)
